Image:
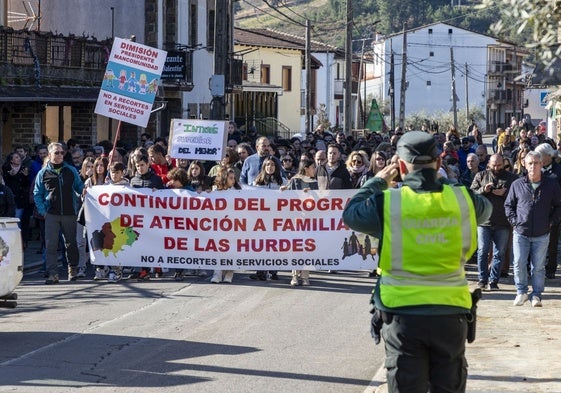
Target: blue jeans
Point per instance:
(536, 249)
(499, 238)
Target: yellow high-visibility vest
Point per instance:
(426, 240)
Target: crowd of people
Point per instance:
(319, 160)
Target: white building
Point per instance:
(439, 54)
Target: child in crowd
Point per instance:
(178, 179)
(116, 178)
(225, 180)
(144, 178)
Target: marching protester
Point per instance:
(225, 180)
(116, 178)
(144, 178)
(303, 180)
(532, 206)
(230, 160)
(16, 177)
(159, 162)
(178, 179)
(422, 317)
(56, 192)
(493, 184)
(357, 164)
(97, 178)
(270, 177)
(7, 200)
(254, 163)
(197, 178)
(551, 168)
(333, 174)
(85, 172)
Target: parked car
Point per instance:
(11, 261)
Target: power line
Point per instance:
(283, 14)
(294, 12)
(263, 11)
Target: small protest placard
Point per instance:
(130, 82)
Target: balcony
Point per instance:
(500, 68)
(30, 58)
(501, 96)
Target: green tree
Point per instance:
(540, 18)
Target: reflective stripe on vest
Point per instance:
(426, 240)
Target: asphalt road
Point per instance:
(190, 336)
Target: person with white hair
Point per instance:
(533, 207)
(552, 169)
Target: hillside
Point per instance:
(369, 17)
(257, 14)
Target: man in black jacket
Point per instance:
(532, 206)
(493, 184)
(551, 169)
(333, 175)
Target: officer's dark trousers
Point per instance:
(426, 353)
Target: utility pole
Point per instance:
(392, 87)
(359, 99)
(348, 68)
(308, 65)
(218, 80)
(454, 109)
(403, 79)
(467, 96)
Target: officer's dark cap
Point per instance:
(417, 147)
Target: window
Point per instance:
(431, 53)
(193, 24)
(429, 83)
(265, 73)
(210, 30)
(449, 31)
(430, 31)
(287, 78)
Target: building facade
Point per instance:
(53, 65)
(440, 57)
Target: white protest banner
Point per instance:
(235, 229)
(197, 139)
(130, 82)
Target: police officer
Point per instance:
(427, 231)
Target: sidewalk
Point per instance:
(517, 349)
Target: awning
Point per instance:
(48, 94)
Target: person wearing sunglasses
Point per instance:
(357, 165)
(57, 189)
